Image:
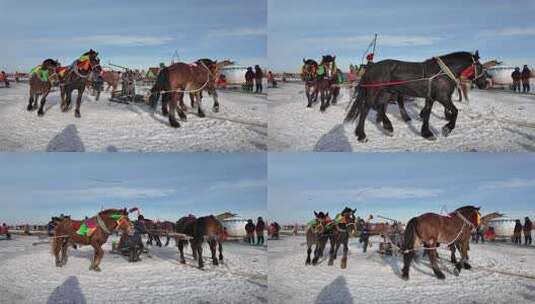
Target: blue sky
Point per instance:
(35, 186)
(399, 185)
(410, 30)
(132, 32)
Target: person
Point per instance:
(479, 235)
(249, 230)
(517, 76)
(249, 76)
(3, 77)
(98, 86)
(526, 74)
(274, 230)
(260, 226)
(5, 230)
(365, 236)
(258, 75)
(490, 235)
(528, 226)
(517, 233)
(271, 79)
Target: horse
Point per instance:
(434, 79)
(327, 87)
(111, 78)
(198, 229)
(309, 76)
(76, 79)
(157, 229)
(429, 229)
(340, 236)
(317, 235)
(180, 78)
(65, 233)
(39, 86)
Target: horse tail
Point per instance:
(161, 84)
(359, 96)
(410, 234)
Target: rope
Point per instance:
(195, 90)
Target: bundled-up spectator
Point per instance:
(5, 230)
(3, 77)
(526, 74)
(528, 226)
(517, 77)
(249, 230)
(271, 79)
(365, 236)
(517, 233)
(260, 227)
(258, 75)
(249, 77)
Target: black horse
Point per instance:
(433, 79)
(340, 236)
(309, 76)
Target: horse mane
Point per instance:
(453, 54)
(113, 210)
(51, 62)
(207, 61)
(465, 208)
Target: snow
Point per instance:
(491, 121)
(29, 275)
(241, 125)
(372, 278)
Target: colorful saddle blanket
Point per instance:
(88, 227)
(40, 72)
(61, 71)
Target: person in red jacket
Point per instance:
(517, 76)
(526, 74)
(260, 226)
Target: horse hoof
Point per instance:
(182, 261)
(165, 113)
(405, 276)
(467, 266)
(307, 263)
(77, 114)
(215, 263)
(202, 115)
(96, 268)
(456, 272)
(441, 276)
(429, 136)
(215, 109)
(330, 263)
(174, 124)
(446, 131)
(40, 113)
(29, 108)
(362, 139)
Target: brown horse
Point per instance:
(327, 84)
(198, 95)
(38, 86)
(317, 235)
(76, 79)
(429, 229)
(157, 229)
(207, 227)
(112, 78)
(106, 221)
(309, 76)
(340, 235)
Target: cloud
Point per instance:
(510, 31)
(117, 192)
(238, 32)
(514, 183)
(110, 40)
(383, 40)
(243, 185)
(378, 192)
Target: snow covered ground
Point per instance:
(29, 275)
(491, 121)
(372, 278)
(241, 125)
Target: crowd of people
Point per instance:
(251, 229)
(253, 79)
(521, 77)
(526, 229)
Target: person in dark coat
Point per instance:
(517, 233)
(258, 75)
(365, 236)
(249, 230)
(260, 226)
(517, 76)
(526, 74)
(249, 76)
(528, 226)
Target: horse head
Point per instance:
(480, 74)
(309, 70)
(116, 219)
(51, 65)
(471, 213)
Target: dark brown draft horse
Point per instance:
(429, 229)
(434, 79)
(106, 222)
(309, 76)
(340, 235)
(76, 79)
(328, 88)
(42, 79)
(180, 78)
(317, 235)
(207, 227)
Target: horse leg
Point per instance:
(40, 112)
(453, 258)
(165, 103)
(359, 131)
(57, 246)
(343, 264)
(433, 257)
(387, 124)
(318, 250)
(212, 243)
(322, 99)
(199, 253)
(30, 101)
(464, 255)
(181, 252)
(450, 107)
(309, 251)
(309, 97)
(172, 110)
(158, 242)
(167, 241)
(401, 104)
(200, 112)
(181, 109)
(426, 112)
(220, 245)
(192, 100)
(79, 102)
(215, 107)
(64, 254)
(335, 93)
